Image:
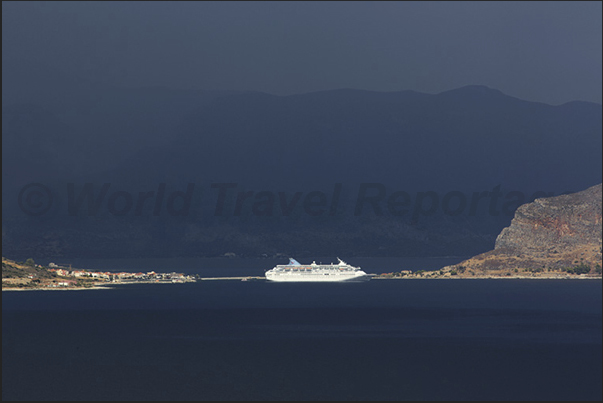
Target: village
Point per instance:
(121, 277)
(28, 275)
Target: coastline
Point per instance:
(58, 289)
(114, 286)
(486, 278)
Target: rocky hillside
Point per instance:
(552, 234)
(12, 269)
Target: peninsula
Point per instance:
(29, 275)
(553, 237)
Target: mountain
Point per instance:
(560, 233)
(474, 154)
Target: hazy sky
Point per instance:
(540, 51)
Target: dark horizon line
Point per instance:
(55, 70)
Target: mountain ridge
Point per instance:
(404, 141)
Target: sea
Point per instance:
(414, 339)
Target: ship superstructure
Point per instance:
(297, 272)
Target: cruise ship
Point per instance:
(297, 272)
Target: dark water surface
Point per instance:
(380, 340)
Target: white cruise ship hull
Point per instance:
(296, 272)
(319, 277)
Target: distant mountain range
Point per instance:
(59, 130)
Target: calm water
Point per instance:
(380, 340)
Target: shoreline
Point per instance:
(486, 278)
(114, 286)
(58, 288)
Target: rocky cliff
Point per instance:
(554, 234)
